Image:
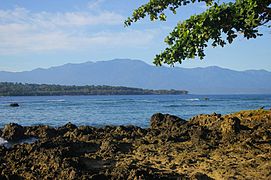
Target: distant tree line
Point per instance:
(20, 89)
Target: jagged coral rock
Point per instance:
(233, 146)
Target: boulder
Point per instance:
(13, 131)
(69, 127)
(207, 120)
(41, 131)
(14, 105)
(166, 121)
(201, 176)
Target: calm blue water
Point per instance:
(120, 110)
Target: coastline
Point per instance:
(20, 89)
(211, 146)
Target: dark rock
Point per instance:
(198, 134)
(66, 128)
(2, 151)
(151, 173)
(98, 177)
(13, 131)
(139, 174)
(14, 105)
(166, 121)
(217, 115)
(109, 147)
(41, 131)
(210, 121)
(11, 177)
(85, 130)
(3, 177)
(201, 176)
(172, 148)
(230, 126)
(70, 126)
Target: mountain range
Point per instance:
(136, 73)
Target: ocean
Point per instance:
(120, 110)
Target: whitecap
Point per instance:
(193, 99)
(3, 141)
(56, 100)
(147, 101)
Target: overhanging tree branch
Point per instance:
(220, 24)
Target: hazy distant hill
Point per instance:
(135, 73)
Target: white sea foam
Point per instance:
(56, 100)
(3, 141)
(193, 99)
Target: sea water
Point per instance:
(120, 110)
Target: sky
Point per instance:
(46, 33)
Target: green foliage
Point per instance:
(19, 89)
(219, 24)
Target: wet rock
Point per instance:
(14, 105)
(13, 131)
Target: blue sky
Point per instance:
(45, 33)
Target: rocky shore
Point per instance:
(234, 146)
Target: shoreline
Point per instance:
(211, 146)
(24, 89)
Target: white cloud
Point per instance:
(94, 4)
(47, 19)
(24, 31)
(121, 39)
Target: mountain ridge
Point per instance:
(120, 59)
(136, 73)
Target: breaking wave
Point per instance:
(3, 141)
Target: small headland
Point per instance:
(214, 146)
(20, 89)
